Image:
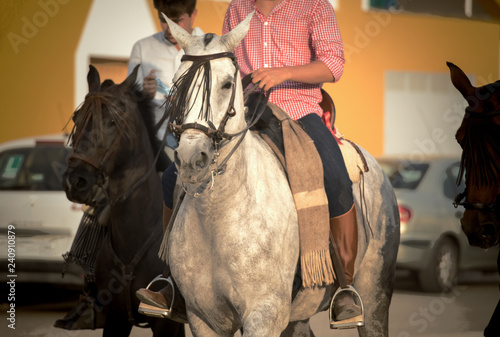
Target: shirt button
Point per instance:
(266, 65)
(266, 23)
(265, 44)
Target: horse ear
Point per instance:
(93, 79)
(234, 37)
(460, 81)
(129, 82)
(180, 35)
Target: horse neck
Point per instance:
(236, 175)
(136, 216)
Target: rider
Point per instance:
(277, 51)
(159, 56)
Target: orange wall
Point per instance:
(38, 95)
(380, 41)
(37, 47)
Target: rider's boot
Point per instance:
(344, 229)
(168, 301)
(87, 314)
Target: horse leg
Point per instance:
(200, 328)
(493, 328)
(375, 283)
(298, 329)
(116, 326)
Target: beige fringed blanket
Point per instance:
(305, 174)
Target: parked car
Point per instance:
(37, 221)
(432, 244)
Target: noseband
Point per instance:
(479, 206)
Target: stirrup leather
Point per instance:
(152, 311)
(349, 323)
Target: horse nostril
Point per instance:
(202, 162)
(80, 184)
(488, 231)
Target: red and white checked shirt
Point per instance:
(296, 32)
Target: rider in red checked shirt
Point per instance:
(294, 46)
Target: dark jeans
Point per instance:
(338, 185)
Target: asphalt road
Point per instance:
(464, 312)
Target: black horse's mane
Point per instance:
(481, 140)
(93, 107)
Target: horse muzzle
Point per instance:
(193, 157)
(80, 186)
(483, 232)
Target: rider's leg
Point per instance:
(163, 298)
(343, 221)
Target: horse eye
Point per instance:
(227, 85)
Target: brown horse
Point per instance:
(115, 149)
(479, 137)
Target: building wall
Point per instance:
(42, 43)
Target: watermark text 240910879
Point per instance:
(11, 268)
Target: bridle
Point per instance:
(99, 165)
(461, 198)
(478, 206)
(218, 135)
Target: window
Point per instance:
(37, 169)
(404, 174)
(449, 8)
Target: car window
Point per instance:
(404, 174)
(38, 168)
(450, 188)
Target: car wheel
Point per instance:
(442, 270)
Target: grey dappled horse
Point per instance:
(234, 245)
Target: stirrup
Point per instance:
(153, 311)
(349, 323)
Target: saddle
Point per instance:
(269, 128)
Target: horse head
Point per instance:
(104, 135)
(478, 135)
(206, 104)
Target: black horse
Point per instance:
(115, 149)
(479, 137)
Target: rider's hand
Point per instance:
(149, 84)
(269, 77)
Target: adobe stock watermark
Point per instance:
(31, 25)
(365, 35)
(423, 316)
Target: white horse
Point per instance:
(233, 248)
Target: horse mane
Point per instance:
(180, 93)
(93, 107)
(479, 143)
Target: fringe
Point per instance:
(317, 269)
(163, 252)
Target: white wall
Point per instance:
(422, 114)
(111, 29)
